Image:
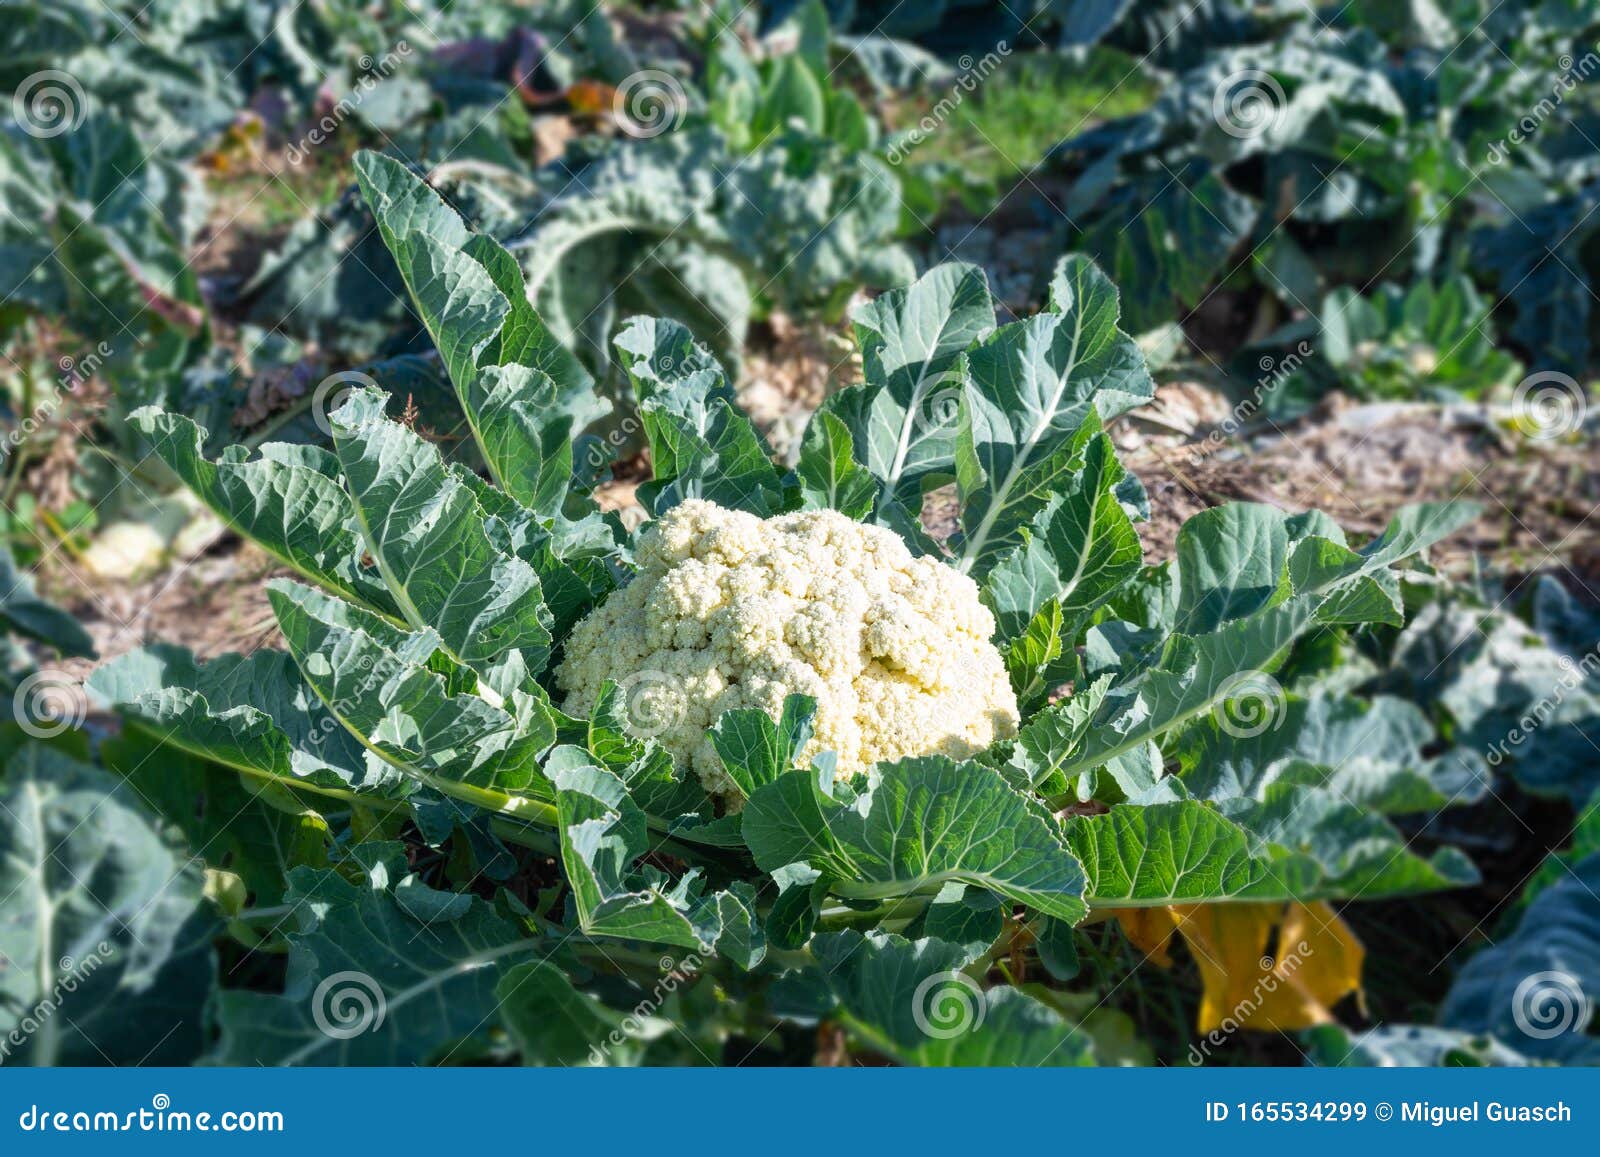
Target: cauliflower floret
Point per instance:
(729, 610)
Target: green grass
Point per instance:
(252, 197)
(1022, 109)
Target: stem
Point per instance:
(63, 536)
(48, 1046)
(900, 910)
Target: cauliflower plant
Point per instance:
(729, 610)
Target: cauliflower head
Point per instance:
(729, 611)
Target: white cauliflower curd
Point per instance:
(729, 610)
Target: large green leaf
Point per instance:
(252, 713)
(1030, 387)
(427, 533)
(288, 501)
(376, 681)
(602, 833)
(1367, 752)
(23, 612)
(525, 394)
(830, 477)
(911, 1001)
(755, 749)
(554, 1023)
(384, 971)
(701, 444)
(234, 823)
(1078, 550)
(104, 931)
(902, 419)
(1534, 988)
(1321, 581)
(923, 823)
(1297, 847)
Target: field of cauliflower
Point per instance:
(796, 533)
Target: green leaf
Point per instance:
(1078, 551)
(385, 971)
(792, 94)
(602, 833)
(754, 749)
(1300, 846)
(1367, 752)
(901, 420)
(1323, 581)
(427, 533)
(377, 681)
(288, 501)
(830, 477)
(23, 612)
(1166, 238)
(925, 822)
(252, 713)
(910, 1001)
(233, 823)
(1230, 562)
(1032, 384)
(1054, 736)
(1533, 989)
(525, 395)
(1192, 677)
(105, 935)
(553, 1023)
(701, 444)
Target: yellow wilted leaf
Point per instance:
(1150, 930)
(591, 97)
(1318, 960)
